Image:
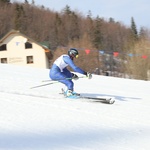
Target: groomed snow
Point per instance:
(42, 119)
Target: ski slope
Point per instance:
(42, 119)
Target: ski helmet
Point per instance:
(73, 53)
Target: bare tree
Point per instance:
(138, 65)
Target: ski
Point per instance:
(99, 99)
(94, 99)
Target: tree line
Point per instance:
(69, 28)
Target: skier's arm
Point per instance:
(73, 66)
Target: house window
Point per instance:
(4, 60)
(28, 45)
(29, 59)
(3, 47)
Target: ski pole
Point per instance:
(57, 80)
(62, 79)
(44, 85)
(54, 81)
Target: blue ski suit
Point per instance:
(60, 72)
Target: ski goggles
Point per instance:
(76, 56)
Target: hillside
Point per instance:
(43, 119)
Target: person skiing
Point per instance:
(60, 72)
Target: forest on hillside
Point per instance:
(103, 44)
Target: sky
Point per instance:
(42, 119)
(120, 10)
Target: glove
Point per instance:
(74, 76)
(89, 75)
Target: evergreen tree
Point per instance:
(89, 14)
(19, 11)
(97, 34)
(67, 10)
(26, 2)
(134, 29)
(33, 2)
(97, 39)
(111, 20)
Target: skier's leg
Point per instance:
(68, 83)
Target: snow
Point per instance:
(43, 119)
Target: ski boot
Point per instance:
(71, 94)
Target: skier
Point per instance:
(60, 72)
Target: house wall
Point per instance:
(17, 54)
